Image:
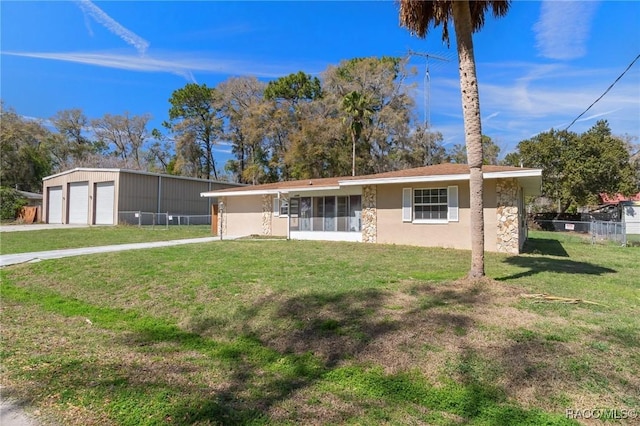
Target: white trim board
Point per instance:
(355, 237)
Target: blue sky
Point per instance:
(539, 67)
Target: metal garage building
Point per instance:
(99, 196)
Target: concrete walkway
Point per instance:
(13, 414)
(13, 259)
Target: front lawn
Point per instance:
(297, 332)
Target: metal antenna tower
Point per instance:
(427, 83)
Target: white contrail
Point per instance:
(182, 65)
(90, 9)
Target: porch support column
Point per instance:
(369, 214)
(222, 216)
(267, 213)
(508, 238)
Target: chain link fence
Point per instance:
(610, 231)
(599, 230)
(161, 219)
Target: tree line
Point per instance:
(356, 119)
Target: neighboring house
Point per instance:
(616, 198)
(33, 198)
(426, 206)
(630, 215)
(110, 196)
(627, 210)
(33, 209)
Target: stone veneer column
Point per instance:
(507, 215)
(222, 216)
(369, 214)
(267, 214)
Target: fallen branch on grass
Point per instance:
(549, 298)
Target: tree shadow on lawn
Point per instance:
(328, 331)
(544, 246)
(266, 366)
(538, 264)
(263, 370)
(537, 258)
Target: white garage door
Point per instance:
(79, 203)
(104, 203)
(632, 219)
(54, 205)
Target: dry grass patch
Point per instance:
(236, 333)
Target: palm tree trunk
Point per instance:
(353, 154)
(472, 130)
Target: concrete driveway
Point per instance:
(38, 226)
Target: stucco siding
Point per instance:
(279, 226)
(392, 230)
(490, 215)
(243, 215)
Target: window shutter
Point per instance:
(276, 206)
(406, 204)
(452, 199)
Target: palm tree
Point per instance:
(468, 17)
(359, 110)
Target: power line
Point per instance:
(605, 92)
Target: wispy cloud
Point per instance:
(490, 116)
(563, 28)
(602, 114)
(179, 64)
(90, 9)
(521, 99)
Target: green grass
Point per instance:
(55, 239)
(292, 332)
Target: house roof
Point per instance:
(615, 199)
(30, 195)
(435, 173)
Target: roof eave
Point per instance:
(406, 179)
(139, 172)
(270, 191)
(442, 178)
(513, 174)
(80, 169)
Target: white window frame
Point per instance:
(453, 201)
(408, 205)
(280, 207)
(284, 207)
(445, 204)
